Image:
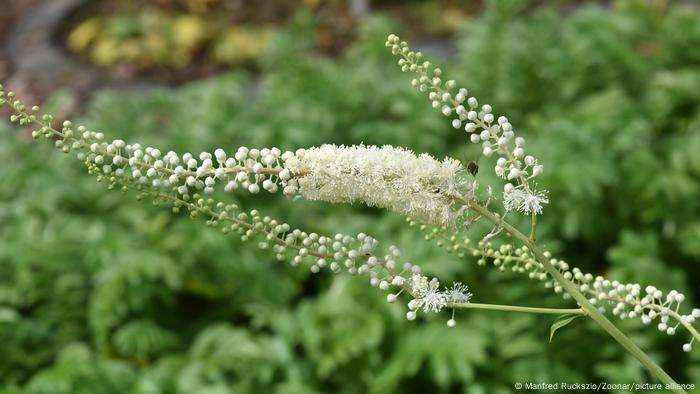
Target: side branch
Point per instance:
(581, 299)
(514, 308)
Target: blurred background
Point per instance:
(100, 293)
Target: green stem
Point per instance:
(513, 308)
(586, 307)
(533, 228)
(685, 324)
(589, 308)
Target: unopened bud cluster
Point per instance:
(418, 186)
(496, 135)
(353, 254)
(624, 300)
(249, 169)
(389, 177)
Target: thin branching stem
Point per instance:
(514, 308)
(581, 299)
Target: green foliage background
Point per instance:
(100, 293)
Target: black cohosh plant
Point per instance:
(443, 197)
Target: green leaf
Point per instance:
(8, 315)
(561, 322)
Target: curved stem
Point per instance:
(513, 308)
(685, 324)
(589, 308)
(674, 314)
(585, 306)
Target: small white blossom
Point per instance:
(532, 203)
(526, 201)
(427, 294)
(458, 293)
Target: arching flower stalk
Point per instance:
(382, 177)
(420, 187)
(329, 173)
(496, 136)
(356, 255)
(519, 192)
(624, 300)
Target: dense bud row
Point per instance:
(179, 180)
(624, 300)
(249, 169)
(496, 135)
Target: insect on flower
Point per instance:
(472, 168)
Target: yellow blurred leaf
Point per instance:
(453, 18)
(238, 45)
(201, 6)
(130, 51)
(105, 52)
(155, 48)
(313, 4)
(84, 34)
(189, 31)
(181, 57)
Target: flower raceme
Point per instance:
(624, 300)
(388, 177)
(496, 135)
(419, 187)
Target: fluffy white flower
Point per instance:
(433, 301)
(532, 202)
(458, 293)
(427, 294)
(525, 201)
(387, 177)
(513, 198)
(419, 284)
